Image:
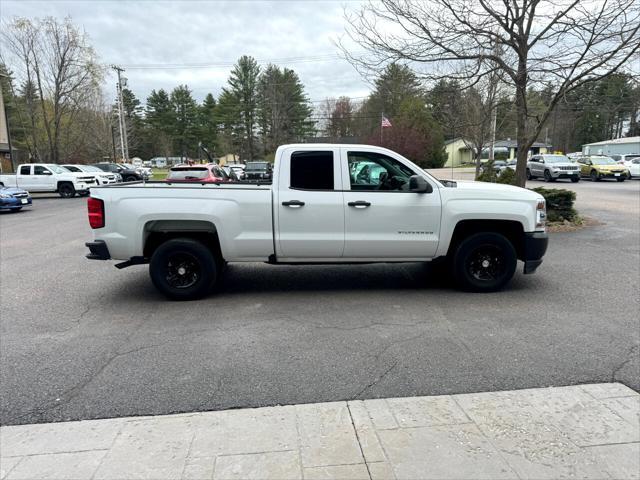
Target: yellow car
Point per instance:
(599, 167)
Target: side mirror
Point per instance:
(541, 161)
(47, 172)
(418, 184)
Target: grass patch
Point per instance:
(159, 173)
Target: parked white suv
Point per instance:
(631, 161)
(552, 167)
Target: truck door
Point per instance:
(383, 219)
(308, 209)
(43, 178)
(24, 178)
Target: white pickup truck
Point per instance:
(327, 204)
(49, 177)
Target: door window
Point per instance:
(371, 171)
(312, 170)
(40, 170)
(25, 170)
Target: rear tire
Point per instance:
(484, 262)
(66, 190)
(183, 269)
(529, 176)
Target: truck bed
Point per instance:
(134, 210)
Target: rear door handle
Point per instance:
(293, 203)
(359, 204)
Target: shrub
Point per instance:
(559, 203)
(508, 176)
(488, 174)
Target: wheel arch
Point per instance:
(156, 232)
(513, 230)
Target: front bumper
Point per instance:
(565, 174)
(534, 248)
(613, 174)
(14, 203)
(98, 250)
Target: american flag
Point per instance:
(385, 122)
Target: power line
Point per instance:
(227, 63)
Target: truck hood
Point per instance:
(496, 190)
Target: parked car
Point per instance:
(625, 158)
(231, 173)
(633, 165)
(128, 174)
(146, 172)
(49, 177)
(239, 171)
(103, 178)
(14, 199)
(258, 171)
(552, 167)
(210, 173)
(509, 164)
(597, 167)
(313, 212)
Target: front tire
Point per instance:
(66, 190)
(484, 262)
(594, 176)
(130, 178)
(621, 179)
(575, 179)
(547, 176)
(183, 269)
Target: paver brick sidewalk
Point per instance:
(587, 431)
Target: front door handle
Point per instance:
(359, 204)
(293, 203)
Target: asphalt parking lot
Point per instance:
(81, 339)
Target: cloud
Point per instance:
(135, 33)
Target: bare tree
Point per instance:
(339, 117)
(55, 58)
(554, 44)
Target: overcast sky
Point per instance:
(148, 32)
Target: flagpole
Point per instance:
(381, 127)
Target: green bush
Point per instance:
(559, 203)
(507, 176)
(488, 174)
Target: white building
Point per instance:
(611, 147)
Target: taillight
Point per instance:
(95, 207)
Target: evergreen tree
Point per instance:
(241, 101)
(208, 123)
(185, 121)
(283, 108)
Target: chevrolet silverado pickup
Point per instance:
(49, 177)
(326, 204)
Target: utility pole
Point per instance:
(122, 123)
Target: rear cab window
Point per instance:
(312, 170)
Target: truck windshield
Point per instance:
(57, 168)
(196, 173)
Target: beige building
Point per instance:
(459, 153)
(228, 158)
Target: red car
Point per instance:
(210, 173)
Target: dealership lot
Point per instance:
(83, 340)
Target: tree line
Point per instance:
(518, 79)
